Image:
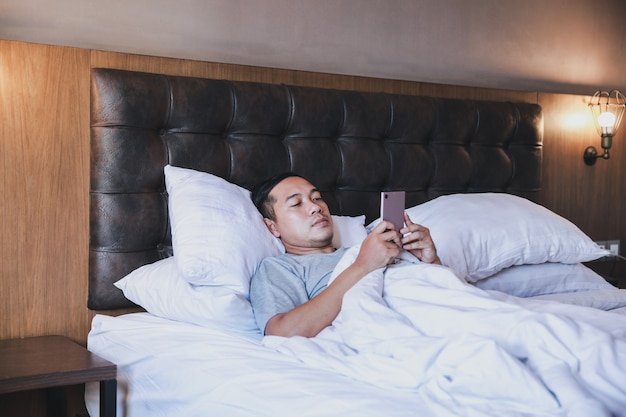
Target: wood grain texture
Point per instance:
(592, 197)
(49, 361)
(44, 183)
(101, 59)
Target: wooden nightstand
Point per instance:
(51, 362)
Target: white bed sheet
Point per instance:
(174, 369)
(170, 368)
(384, 365)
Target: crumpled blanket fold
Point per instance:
(415, 326)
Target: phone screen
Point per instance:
(392, 207)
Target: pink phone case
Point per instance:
(392, 207)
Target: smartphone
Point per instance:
(392, 207)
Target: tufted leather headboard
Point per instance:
(350, 144)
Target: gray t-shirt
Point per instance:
(284, 282)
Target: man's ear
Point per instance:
(271, 226)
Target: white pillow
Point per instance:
(480, 234)
(603, 300)
(218, 235)
(348, 231)
(161, 290)
(547, 278)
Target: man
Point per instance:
(289, 294)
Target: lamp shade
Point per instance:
(607, 108)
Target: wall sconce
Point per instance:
(607, 108)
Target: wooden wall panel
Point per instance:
(44, 152)
(592, 197)
(312, 79)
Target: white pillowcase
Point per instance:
(480, 234)
(603, 300)
(348, 231)
(546, 278)
(161, 290)
(218, 235)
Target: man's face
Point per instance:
(303, 221)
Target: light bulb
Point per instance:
(606, 119)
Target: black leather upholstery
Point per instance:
(350, 144)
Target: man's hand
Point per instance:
(416, 239)
(380, 247)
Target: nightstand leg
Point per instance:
(108, 398)
(56, 402)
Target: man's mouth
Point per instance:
(322, 221)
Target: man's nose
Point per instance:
(315, 208)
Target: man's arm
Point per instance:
(377, 250)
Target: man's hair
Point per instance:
(261, 194)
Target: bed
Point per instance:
(514, 324)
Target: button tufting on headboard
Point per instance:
(350, 144)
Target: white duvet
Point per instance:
(175, 369)
(417, 327)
